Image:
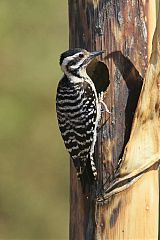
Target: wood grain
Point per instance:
(132, 214)
(120, 28)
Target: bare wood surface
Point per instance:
(120, 27)
(144, 141)
(132, 214)
(150, 13)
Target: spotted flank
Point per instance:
(93, 169)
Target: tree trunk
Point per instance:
(128, 211)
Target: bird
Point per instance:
(78, 108)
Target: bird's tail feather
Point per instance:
(87, 179)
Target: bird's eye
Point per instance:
(81, 55)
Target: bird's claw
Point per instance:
(103, 103)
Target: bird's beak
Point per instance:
(95, 54)
(91, 56)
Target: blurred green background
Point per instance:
(34, 166)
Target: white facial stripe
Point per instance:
(73, 67)
(78, 64)
(70, 58)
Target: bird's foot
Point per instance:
(103, 104)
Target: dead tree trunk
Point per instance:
(126, 210)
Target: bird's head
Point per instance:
(74, 61)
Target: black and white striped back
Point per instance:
(77, 113)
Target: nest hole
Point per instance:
(99, 74)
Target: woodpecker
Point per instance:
(78, 109)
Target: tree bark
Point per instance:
(123, 29)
